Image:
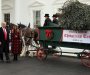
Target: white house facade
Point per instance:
(31, 11)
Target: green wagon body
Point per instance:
(57, 39)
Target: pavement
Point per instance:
(50, 66)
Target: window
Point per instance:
(37, 17)
(7, 18)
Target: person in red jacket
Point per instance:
(15, 42)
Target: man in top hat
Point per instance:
(47, 20)
(55, 19)
(56, 22)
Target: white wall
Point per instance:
(17, 11)
(46, 6)
(0, 13)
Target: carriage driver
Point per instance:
(47, 20)
(55, 20)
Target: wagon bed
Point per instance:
(53, 35)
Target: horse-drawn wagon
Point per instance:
(74, 32)
(56, 36)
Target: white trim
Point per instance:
(36, 4)
(58, 2)
(6, 7)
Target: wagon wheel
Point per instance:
(41, 54)
(85, 58)
(56, 55)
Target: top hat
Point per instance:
(54, 15)
(46, 15)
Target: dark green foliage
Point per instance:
(75, 15)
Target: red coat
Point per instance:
(15, 43)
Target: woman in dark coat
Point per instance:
(16, 42)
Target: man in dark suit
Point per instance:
(47, 20)
(55, 19)
(4, 42)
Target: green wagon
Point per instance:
(56, 36)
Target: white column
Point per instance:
(0, 14)
(17, 11)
